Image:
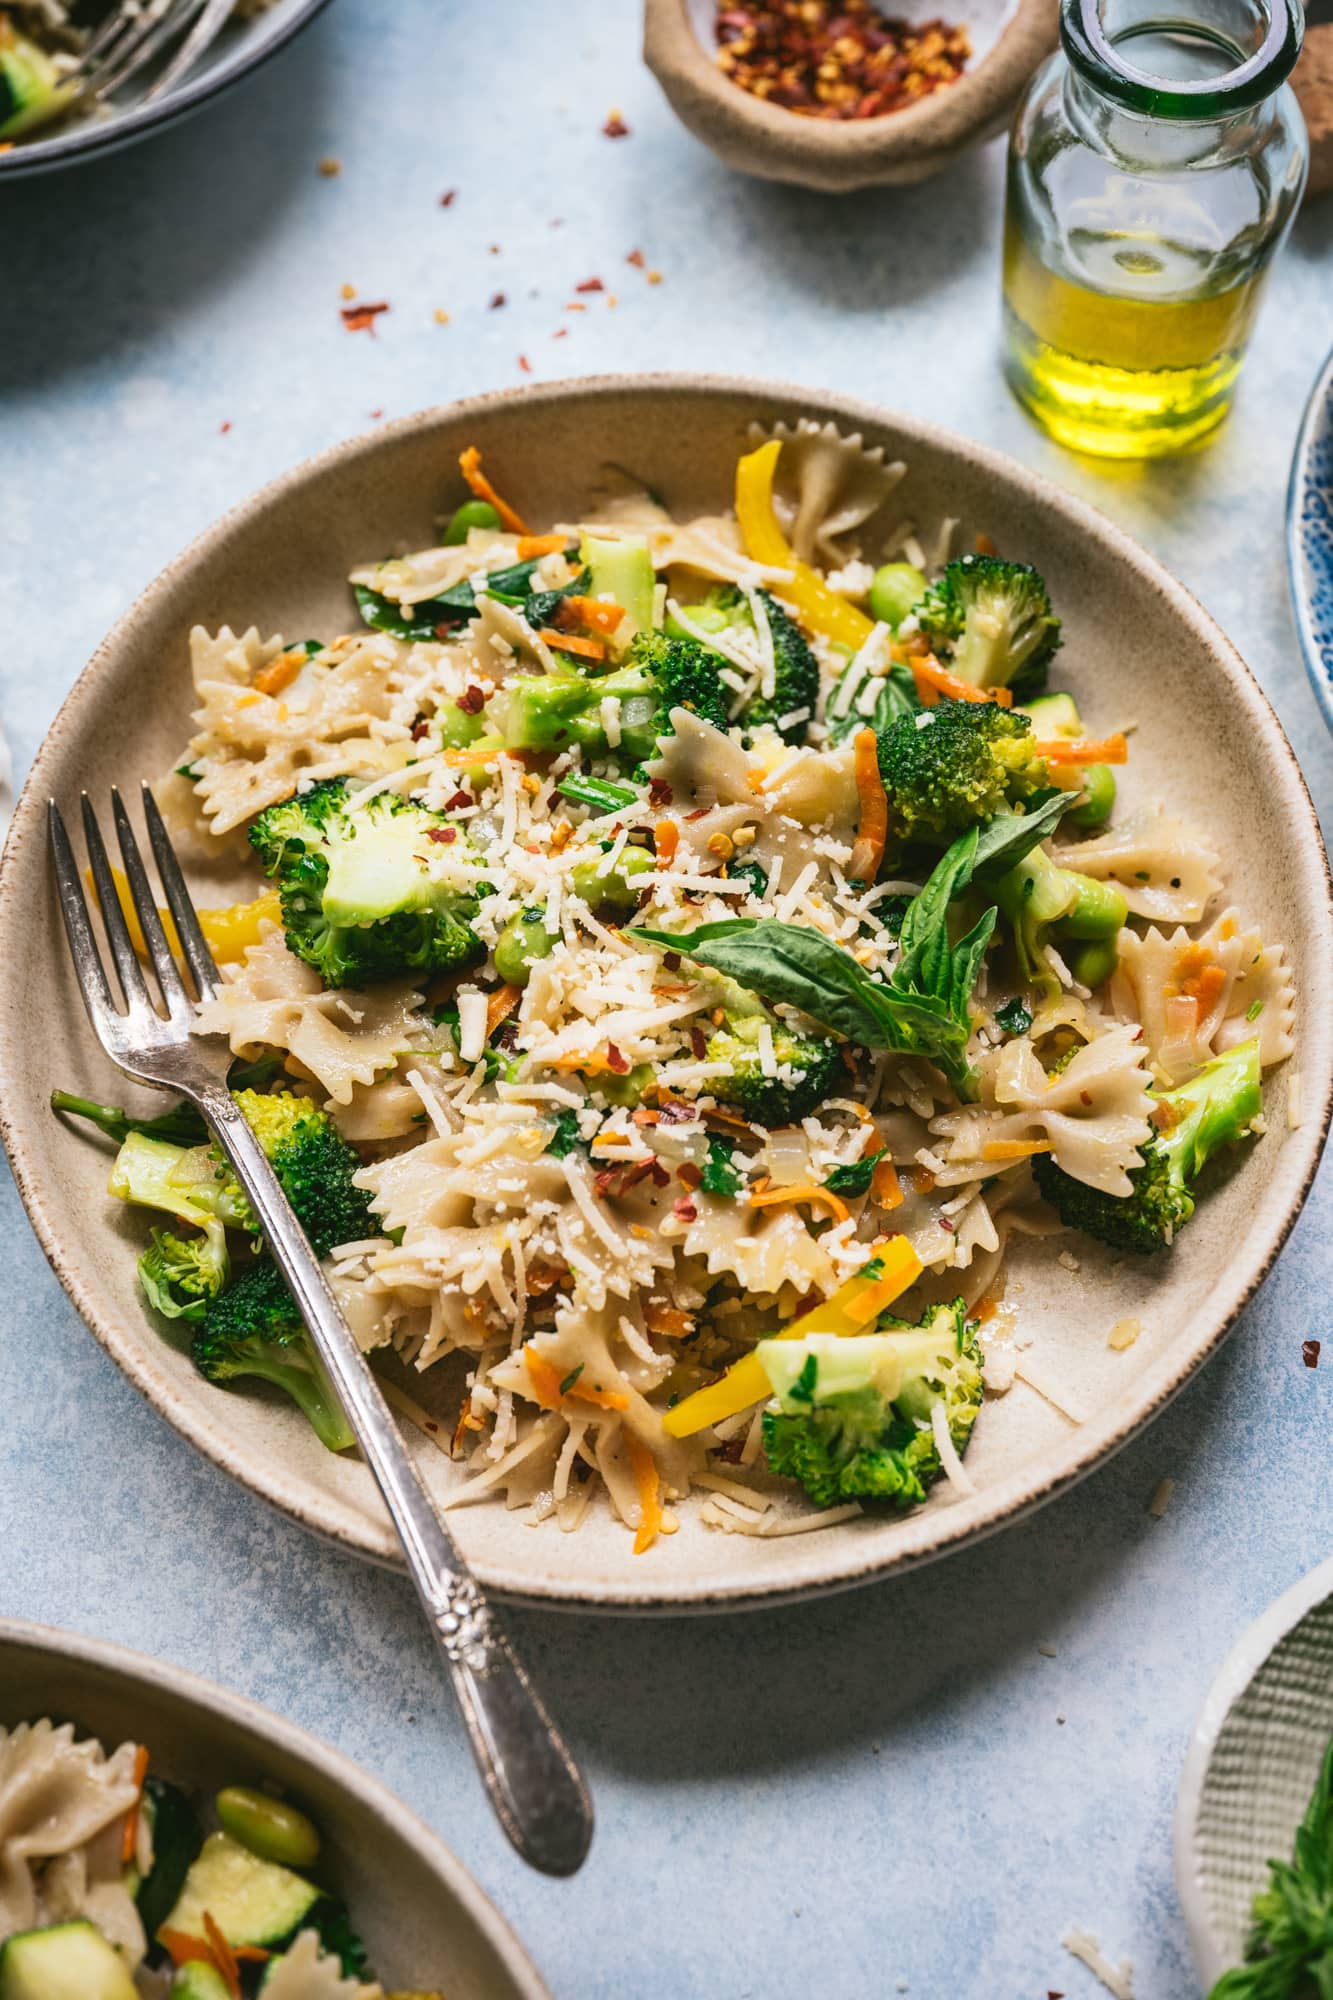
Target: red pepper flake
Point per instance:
(361, 319)
(498, 299)
(674, 1111)
(615, 127)
(590, 285)
(684, 1209)
(442, 835)
(690, 1176)
(659, 792)
(1085, 1097)
(637, 259)
(561, 333)
(471, 701)
(698, 1043)
(448, 198)
(223, 428)
(525, 364)
(458, 801)
(700, 812)
(730, 1452)
(671, 961)
(375, 415)
(1310, 1350)
(420, 731)
(620, 1179)
(616, 1061)
(835, 58)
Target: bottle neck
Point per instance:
(1209, 64)
(1151, 144)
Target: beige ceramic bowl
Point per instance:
(1138, 646)
(424, 1920)
(1009, 38)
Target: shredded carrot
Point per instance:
(717, 1115)
(593, 612)
(933, 679)
(1014, 1149)
(648, 1481)
(669, 1320)
(474, 755)
(666, 839)
(1083, 750)
(590, 1064)
(873, 826)
(771, 1197)
(469, 464)
(500, 1005)
(184, 1949)
(281, 673)
(1198, 975)
(546, 1387)
(223, 1957)
(129, 1837)
(538, 545)
(922, 1180)
(568, 642)
(885, 1187)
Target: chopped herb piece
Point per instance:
(856, 1177)
(1015, 1017)
(571, 1379)
(565, 1139)
(719, 1176)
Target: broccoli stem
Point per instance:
(309, 1387)
(182, 1125)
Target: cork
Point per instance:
(1313, 84)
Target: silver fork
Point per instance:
(533, 1782)
(135, 32)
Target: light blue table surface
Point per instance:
(895, 1791)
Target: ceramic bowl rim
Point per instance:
(151, 1675)
(1318, 414)
(1242, 1665)
(919, 1538)
(92, 139)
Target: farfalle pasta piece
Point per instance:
(1093, 1116)
(828, 485)
(1196, 997)
(275, 1001)
(307, 1972)
(1166, 871)
(58, 1798)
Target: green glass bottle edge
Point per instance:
(1256, 78)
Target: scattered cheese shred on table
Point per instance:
(1161, 1499)
(1082, 1945)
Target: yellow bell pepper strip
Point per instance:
(228, 932)
(854, 1306)
(819, 608)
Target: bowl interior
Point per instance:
(279, 562)
(985, 21)
(1310, 539)
(421, 1915)
(1260, 1771)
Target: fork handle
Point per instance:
(533, 1782)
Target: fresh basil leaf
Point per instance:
(856, 1177)
(1005, 840)
(719, 1176)
(788, 963)
(896, 697)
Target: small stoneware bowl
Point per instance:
(1009, 38)
(1310, 538)
(424, 1920)
(243, 46)
(280, 561)
(1252, 1763)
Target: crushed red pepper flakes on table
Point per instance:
(361, 319)
(590, 285)
(615, 127)
(525, 364)
(448, 198)
(835, 58)
(1310, 1351)
(225, 427)
(636, 258)
(329, 167)
(497, 299)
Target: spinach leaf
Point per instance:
(897, 696)
(855, 1178)
(417, 621)
(719, 1176)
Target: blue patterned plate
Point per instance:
(1310, 539)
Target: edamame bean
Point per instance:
(703, 617)
(1096, 809)
(269, 1827)
(520, 944)
(1099, 912)
(1092, 964)
(625, 1091)
(619, 885)
(472, 514)
(896, 589)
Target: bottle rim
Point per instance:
(1096, 57)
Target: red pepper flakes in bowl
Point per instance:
(835, 58)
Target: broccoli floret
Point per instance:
(555, 711)
(795, 678)
(1081, 915)
(992, 621)
(253, 1329)
(954, 765)
(308, 1154)
(808, 1067)
(358, 900)
(853, 1414)
(1215, 1109)
(181, 1274)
